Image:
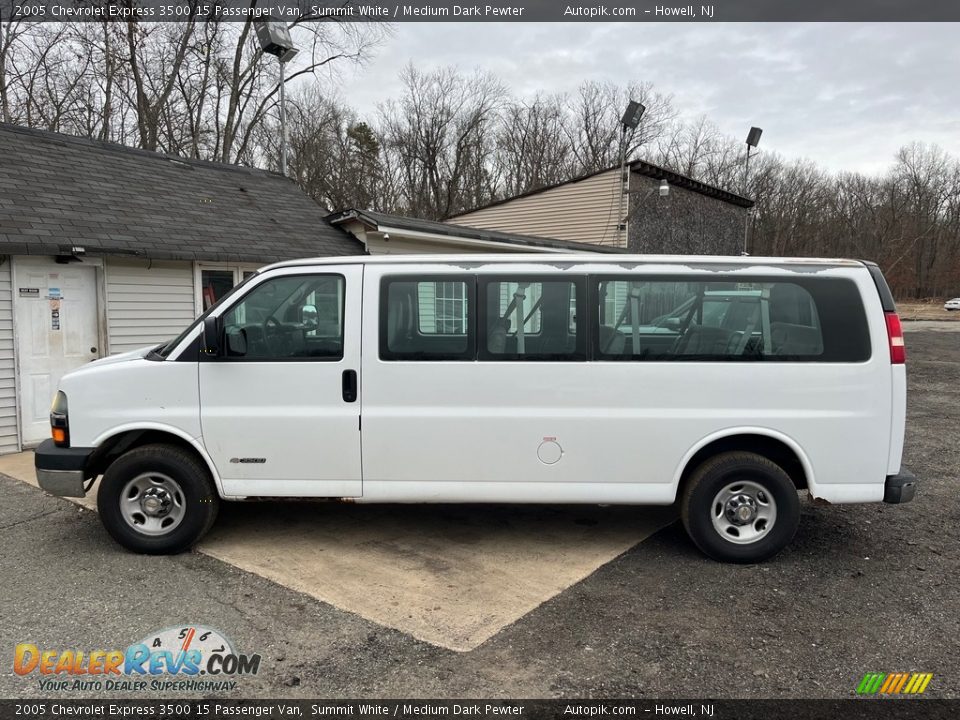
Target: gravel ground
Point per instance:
(862, 588)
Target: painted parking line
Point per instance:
(451, 575)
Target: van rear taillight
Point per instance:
(898, 351)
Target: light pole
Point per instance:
(275, 39)
(628, 124)
(753, 139)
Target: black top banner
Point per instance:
(291, 11)
(572, 709)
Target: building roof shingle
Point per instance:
(59, 191)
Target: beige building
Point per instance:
(692, 217)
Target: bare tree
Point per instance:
(532, 146)
(440, 134)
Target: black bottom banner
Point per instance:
(852, 709)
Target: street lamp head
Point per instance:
(275, 39)
(753, 138)
(664, 188)
(631, 116)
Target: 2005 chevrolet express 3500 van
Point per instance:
(723, 384)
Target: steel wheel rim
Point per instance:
(743, 512)
(153, 504)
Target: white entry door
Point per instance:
(56, 308)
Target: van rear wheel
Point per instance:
(157, 499)
(740, 507)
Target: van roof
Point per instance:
(625, 261)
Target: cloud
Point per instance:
(846, 95)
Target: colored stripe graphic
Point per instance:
(894, 683)
(870, 683)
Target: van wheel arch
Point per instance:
(766, 446)
(114, 447)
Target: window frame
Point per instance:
(221, 356)
(579, 281)
(385, 354)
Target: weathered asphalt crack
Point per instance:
(30, 519)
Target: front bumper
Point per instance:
(62, 471)
(900, 488)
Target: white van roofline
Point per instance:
(476, 259)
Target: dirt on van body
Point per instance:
(862, 588)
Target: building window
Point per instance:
(215, 281)
(442, 308)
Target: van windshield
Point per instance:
(161, 352)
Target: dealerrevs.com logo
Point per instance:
(175, 659)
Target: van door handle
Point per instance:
(348, 385)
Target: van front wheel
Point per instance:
(157, 499)
(740, 507)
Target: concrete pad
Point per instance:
(451, 575)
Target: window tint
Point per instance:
(288, 318)
(426, 318)
(760, 319)
(525, 319)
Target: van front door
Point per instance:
(280, 405)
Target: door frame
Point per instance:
(101, 317)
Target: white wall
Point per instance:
(147, 302)
(8, 382)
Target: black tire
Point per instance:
(716, 474)
(196, 494)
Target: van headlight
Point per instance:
(59, 426)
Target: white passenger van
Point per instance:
(722, 384)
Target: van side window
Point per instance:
(427, 318)
(531, 319)
(768, 319)
(295, 317)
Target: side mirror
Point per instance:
(237, 342)
(309, 317)
(211, 340)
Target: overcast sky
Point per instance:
(845, 95)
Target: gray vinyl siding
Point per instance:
(8, 379)
(581, 211)
(147, 302)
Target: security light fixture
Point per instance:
(753, 137)
(632, 115)
(275, 39)
(664, 188)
